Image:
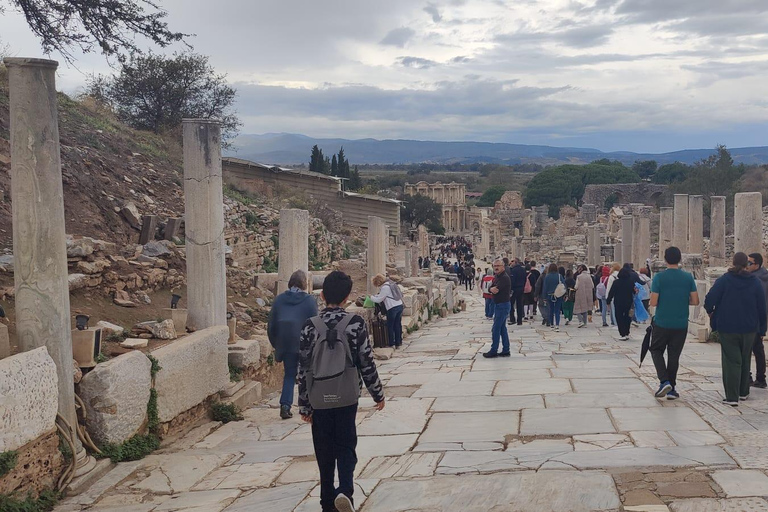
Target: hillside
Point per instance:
(289, 149)
(104, 165)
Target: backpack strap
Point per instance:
(320, 326)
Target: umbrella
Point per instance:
(646, 343)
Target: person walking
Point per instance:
(541, 299)
(517, 278)
(485, 290)
(535, 275)
(672, 291)
(570, 296)
(289, 312)
(755, 266)
(500, 288)
(584, 295)
(614, 275)
(620, 298)
(736, 306)
(469, 277)
(392, 297)
(336, 359)
(602, 294)
(528, 296)
(551, 282)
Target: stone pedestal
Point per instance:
(86, 345)
(178, 317)
(626, 239)
(39, 236)
(204, 221)
(717, 256)
(696, 224)
(376, 255)
(5, 342)
(666, 229)
(680, 223)
(294, 246)
(748, 222)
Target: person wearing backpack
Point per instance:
(289, 312)
(554, 290)
(601, 292)
(392, 298)
(336, 358)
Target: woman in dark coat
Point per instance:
(621, 297)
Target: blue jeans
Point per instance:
(395, 326)
(554, 311)
(604, 310)
(489, 307)
(290, 366)
(499, 329)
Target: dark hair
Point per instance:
(336, 287)
(552, 268)
(672, 255)
(758, 258)
(739, 262)
(561, 270)
(569, 274)
(533, 263)
(506, 261)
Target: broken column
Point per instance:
(39, 239)
(717, 257)
(513, 248)
(680, 223)
(748, 222)
(666, 223)
(594, 244)
(696, 224)
(204, 224)
(641, 236)
(378, 248)
(414, 262)
(626, 239)
(293, 246)
(423, 241)
(407, 262)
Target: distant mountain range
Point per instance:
(291, 149)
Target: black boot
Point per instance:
(285, 412)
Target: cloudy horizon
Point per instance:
(634, 75)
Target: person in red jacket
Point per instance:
(485, 290)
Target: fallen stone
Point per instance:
(244, 353)
(123, 299)
(134, 343)
(131, 214)
(157, 248)
(79, 247)
(115, 394)
(77, 281)
(164, 330)
(383, 353)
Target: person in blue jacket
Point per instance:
(289, 313)
(736, 306)
(552, 279)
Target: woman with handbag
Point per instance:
(554, 290)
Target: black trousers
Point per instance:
(517, 308)
(758, 348)
(671, 341)
(334, 436)
(623, 320)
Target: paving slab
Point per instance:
(657, 418)
(633, 385)
(401, 416)
(601, 400)
(742, 483)
(532, 387)
(545, 491)
(439, 389)
(470, 427)
(487, 403)
(565, 421)
(275, 499)
(720, 505)
(242, 476)
(213, 501)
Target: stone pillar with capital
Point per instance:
(293, 247)
(626, 239)
(680, 224)
(696, 224)
(666, 223)
(717, 256)
(378, 249)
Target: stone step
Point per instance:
(247, 396)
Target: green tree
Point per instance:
(715, 175)
(334, 166)
(491, 195)
(420, 209)
(155, 92)
(316, 159)
(645, 168)
(111, 26)
(671, 173)
(355, 181)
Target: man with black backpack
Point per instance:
(335, 359)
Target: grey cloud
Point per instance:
(714, 71)
(416, 62)
(651, 11)
(461, 59)
(578, 37)
(398, 37)
(433, 11)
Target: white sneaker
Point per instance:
(557, 329)
(581, 325)
(343, 504)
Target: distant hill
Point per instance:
(287, 149)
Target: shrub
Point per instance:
(45, 502)
(225, 412)
(135, 448)
(8, 462)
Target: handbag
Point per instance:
(560, 290)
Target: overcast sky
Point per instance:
(638, 75)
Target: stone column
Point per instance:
(618, 250)
(747, 222)
(641, 237)
(593, 246)
(423, 241)
(513, 250)
(680, 224)
(696, 224)
(414, 262)
(626, 239)
(204, 221)
(293, 246)
(717, 256)
(39, 236)
(666, 223)
(376, 255)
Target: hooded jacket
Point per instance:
(289, 313)
(762, 275)
(622, 292)
(736, 304)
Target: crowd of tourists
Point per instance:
(515, 289)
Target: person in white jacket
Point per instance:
(394, 306)
(614, 275)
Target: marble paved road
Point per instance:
(568, 423)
